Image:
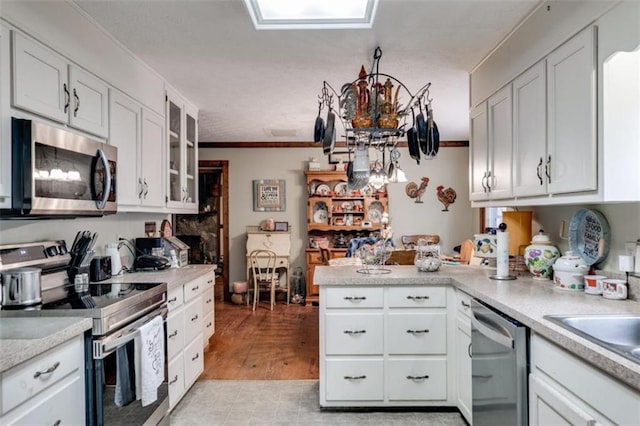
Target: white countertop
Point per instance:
(524, 299)
(26, 334)
(22, 338)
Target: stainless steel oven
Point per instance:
(118, 312)
(59, 173)
(499, 368)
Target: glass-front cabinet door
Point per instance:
(182, 125)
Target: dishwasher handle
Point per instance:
(479, 322)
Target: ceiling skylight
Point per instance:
(311, 14)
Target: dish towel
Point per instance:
(125, 376)
(150, 360)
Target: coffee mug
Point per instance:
(614, 288)
(593, 284)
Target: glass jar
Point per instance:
(427, 256)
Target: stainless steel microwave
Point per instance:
(59, 173)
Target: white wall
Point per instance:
(127, 225)
(450, 169)
(623, 219)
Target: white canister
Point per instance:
(569, 272)
(540, 256)
(111, 250)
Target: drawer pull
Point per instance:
(417, 378)
(355, 331)
(175, 379)
(58, 422)
(194, 318)
(483, 377)
(355, 377)
(355, 298)
(173, 299)
(47, 371)
(469, 351)
(417, 297)
(196, 288)
(208, 301)
(195, 357)
(418, 331)
(208, 325)
(174, 334)
(465, 304)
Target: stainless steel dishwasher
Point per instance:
(499, 368)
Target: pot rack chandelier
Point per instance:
(372, 115)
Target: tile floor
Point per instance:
(283, 402)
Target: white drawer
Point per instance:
(207, 301)
(175, 298)
(417, 333)
(417, 297)
(193, 362)
(354, 334)
(463, 303)
(175, 374)
(175, 333)
(193, 289)
(192, 320)
(63, 404)
(207, 328)
(29, 378)
(417, 379)
(208, 281)
(355, 380)
(279, 243)
(354, 297)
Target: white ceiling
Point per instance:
(251, 84)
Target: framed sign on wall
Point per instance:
(269, 195)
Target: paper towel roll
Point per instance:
(502, 254)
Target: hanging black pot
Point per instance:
(329, 134)
(412, 141)
(421, 127)
(318, 130)
(433, 135)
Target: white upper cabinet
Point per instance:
(571, 115)
(491, 148)
(139, 136)
(48, 85)
(182, 147)
(530, 132)
(5, 128)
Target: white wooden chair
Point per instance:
(264, 275)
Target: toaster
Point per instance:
(100, 268)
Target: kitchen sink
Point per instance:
(618, 333)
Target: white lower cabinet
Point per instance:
(48, 389)
(564, 390)
(463, 355)
(385, 346)
(186, 327)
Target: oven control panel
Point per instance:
(45, 254)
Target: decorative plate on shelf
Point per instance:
(347, 206)
(323, 190)
(375, 212)
(341, 189)
(367, 191)
(320, 214)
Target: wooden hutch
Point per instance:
(335, 215)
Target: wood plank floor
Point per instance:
(263, 345)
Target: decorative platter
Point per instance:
(341, 189)
(589, 236)
(323, 190)
(320, 214)
(375, 212)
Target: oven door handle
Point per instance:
(106, 346)
(107, 180)
(485, 328)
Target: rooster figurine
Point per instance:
(446, 197)
(414, 191)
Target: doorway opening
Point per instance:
(206, 232)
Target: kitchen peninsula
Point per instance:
(360, 301)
